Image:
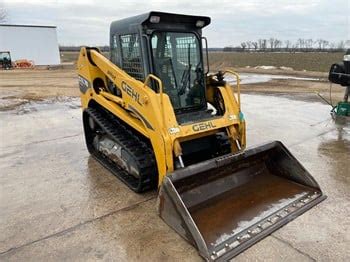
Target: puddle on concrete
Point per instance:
(334, 148)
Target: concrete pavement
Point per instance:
(57, 203)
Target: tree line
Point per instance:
(266, 45)
(300, 45)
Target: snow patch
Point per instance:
(248, 78)
(286, 68)
(266, 67)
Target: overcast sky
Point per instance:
(86, 22)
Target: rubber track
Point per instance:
(133, 144)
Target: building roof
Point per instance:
(40, 26)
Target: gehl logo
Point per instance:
(131, 92)
(203, 126)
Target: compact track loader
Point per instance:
(155, 117)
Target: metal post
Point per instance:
(346, 95)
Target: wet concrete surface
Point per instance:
(57, 203)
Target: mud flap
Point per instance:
(225, 205)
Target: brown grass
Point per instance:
(319, 62)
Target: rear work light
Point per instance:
(200, 23)
(154, 19)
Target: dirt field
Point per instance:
(315, 62)
(20, 86)
(318, 62)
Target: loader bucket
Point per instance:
(224, 205)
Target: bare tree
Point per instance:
(309, 43)
(341, 45)
(255, 45)
(325, 43)
(301, 43)
(249, 44)
(288, 44)
(271, 42)
(3, 15)
(243, 45)
(277, 43)
(322, 44)
(262, 44)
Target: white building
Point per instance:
(37, 43)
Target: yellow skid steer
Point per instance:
(156, 118)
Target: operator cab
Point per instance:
(170, 47)
(5, 60)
